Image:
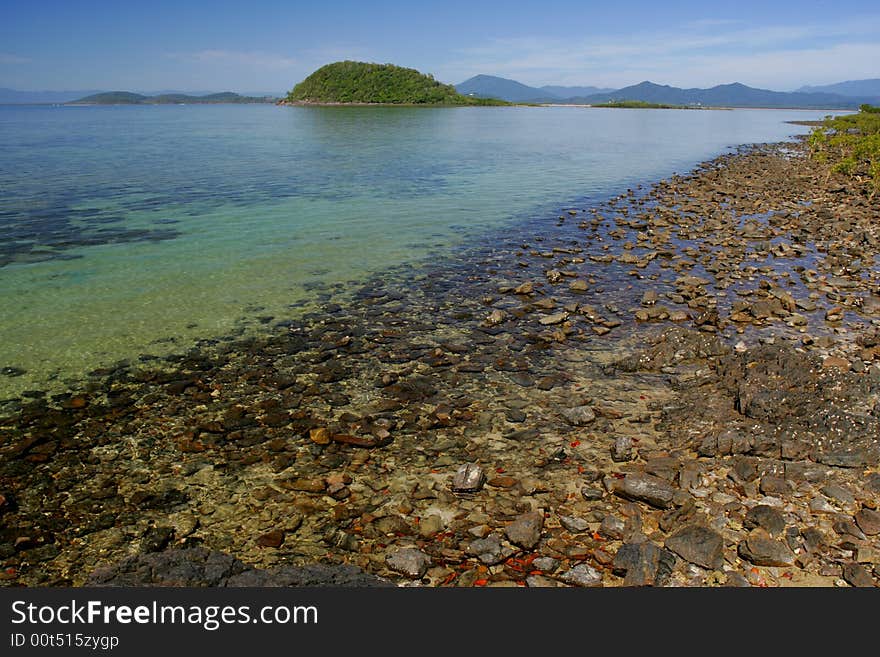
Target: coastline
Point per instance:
(640, 432)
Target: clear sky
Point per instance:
(269, 45)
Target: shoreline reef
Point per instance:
(677, 387)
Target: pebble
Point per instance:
(525, 531)
(698, 545)
(409, 562)
(582, 575)
(646, 488)
(764, 551)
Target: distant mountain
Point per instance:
(573, 92)
(857, 88)
(15, 97)
(490, 86)
(726, 95)
(129, 98)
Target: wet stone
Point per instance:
(574, 525)
(579, 415)
(582, 575)
(525, 531)
(469, 478)
(409, 562)
(488, 550)
(622, 450)
(646, 488)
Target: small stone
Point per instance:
(612, 527)
(868, 521)
(469, 478)
(409, 562)
(839, 493)
(430, 525)
(622, 450)
(767, 517)
(545, 564)
(488, 550)
(649, 298)
(699, 545)
(555, 318)
(771, 485)
(644, 564)
(763, 551)
(579, 415)
(320, 436)
(646, 488)
(582, 575)
(495, 317)
(591, 494)
(835, 362)
(525, 531)
(272, 539)
(579, 285)
(857, 575)
(526, 288)
(574, 525)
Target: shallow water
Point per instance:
(137, 230)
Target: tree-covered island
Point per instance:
(360, 83)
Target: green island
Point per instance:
(641, 104)
(361, 83)
(852, 143)
(129, 98)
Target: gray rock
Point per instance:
(541, 582)
(646, 488)
(197, 567)
(525, 531)
(546, 564)
(582, 575)
(868, 521)
(488, 550)
(643, 564)
(766, 517)
(872, 482)
(839, 493)
(612, 527)
(579, 415)
(409, 562)
(591, 494)
(574, 525)
(857, 575)
(763, 551)
(469, 478)
(699, 545)
(622, 450)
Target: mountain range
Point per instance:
(844, 95)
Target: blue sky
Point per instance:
(268, 46)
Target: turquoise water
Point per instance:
(133, 230)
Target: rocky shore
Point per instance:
(679, 386)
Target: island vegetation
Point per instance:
(360, 83)
(851, 144)
(129, 98)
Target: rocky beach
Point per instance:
(679, 386)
